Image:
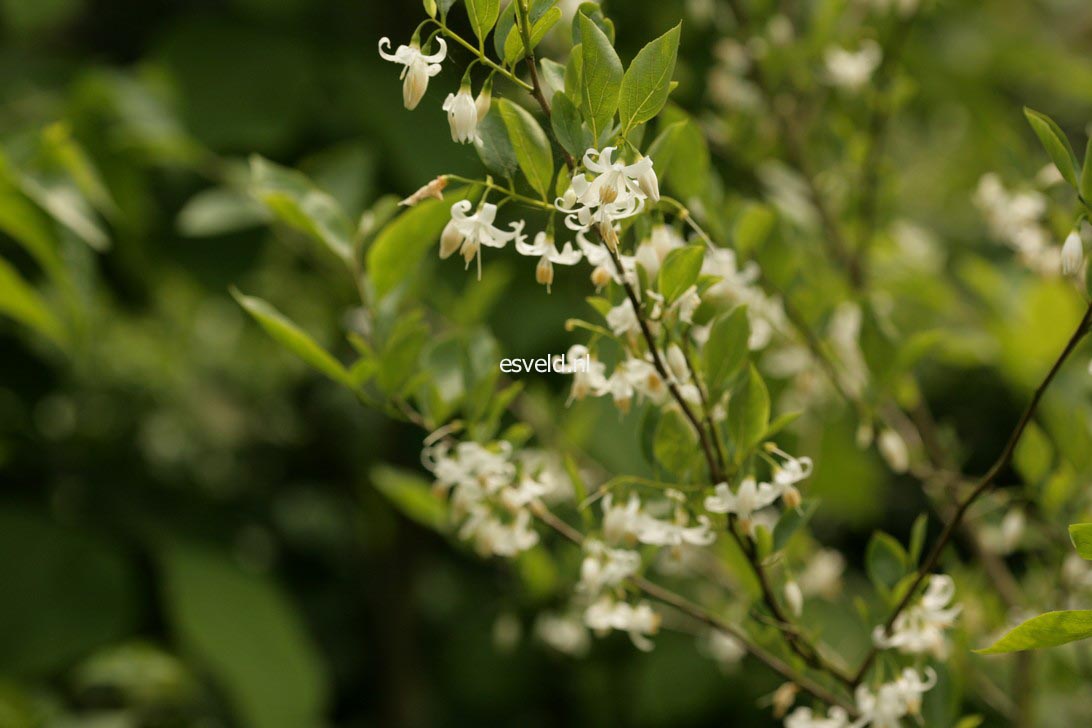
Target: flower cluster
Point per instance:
(1016, 218)
(883, 707)
(920, 629)
(752, 496)
(490, 494)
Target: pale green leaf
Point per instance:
(679, 271)
(885, 560)
(1081, 535)
(1046, 630)
(748, 413)
(412, 495)
(399, 247)
(483, 16)
(20, 301)
(1055, 142)
(726, 350)
(601, 77)
(647, 81)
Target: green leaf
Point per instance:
(726, 350)
(569, 127)
(1081, 535)
(430, 8)
(748, 413)
(483, 16)
(917, 539)
(791, 521)
(21, 302)
(647, 81)
(679, 271)
(219, 211)
(399, 247)
(602, 77)
(531, 144)
(1055, 142)
(1086, 174)
(27, 225)
(412, 495)
(1046, 630)
(398, 360)
(293, 338)
(295, 201)
(444, 6)
(247, 634)
(493, 145)
(674, 443)
(540, 26)
(885, 560)
(752, 228)
(594, 12)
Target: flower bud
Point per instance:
(462, 115)
(600, 276)
(450, 240)
(893, 449)
(484, 100)
(676, 361)
(791, 497)
(1072, 254)
(647, 181)
(544, 273)
(794, 598)
(610, 238)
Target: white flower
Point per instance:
(418, 68)
(545, 249)
(623, 320)
(589, 374)
(1072, 254)
(462, 115)
(823, 574)
(564, 633)
(805, 718)
(920, 629)
(893, 701)
(622, 523)
(686, 304)
(893, 449)
(599, 258)
(474, 231)
(493, 536)
(605, 567)
(739, 285)
(617, 191)
(794, 598)
(750, 497)
(656, 532)
(723, 648)
(852, 69)
(640, 621)
(651, 253)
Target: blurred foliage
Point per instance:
(189, 532)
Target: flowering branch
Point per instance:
(983, 485)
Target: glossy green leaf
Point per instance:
(494, 146)
(293, 338)
(679, 271)
(247, 635)
(1086, 174)
(531, 145)
(1081, 535)
(674, 443)
(748, 413)
(601, 77)
(541, 24)
(647, 81)
(298, 203)
(726, 350)
(483, 16)
(569, 127)
(1055, 142)
(1046, 630)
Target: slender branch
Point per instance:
(522, 199)
(698, 613)
(481, 56)
(984, 483)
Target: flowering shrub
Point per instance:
(587, 154)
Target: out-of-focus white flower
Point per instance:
(589, 374)
(474, 231)
(794, 597)
(546, 251)
(1017, 219)
(823, 574)
(723, 648)
(802, 717)
(599, 258)
(1072, 254)
(739, 285)
(623, 320)
(893, 701)
(905, 8)
(749, 497)
(893, 449)
(639, 621)
(605, 567)
(921, 628)
(1005, 537)
(851, 70)
(462, 115)
(417, 69)
(564, 633)
(507, 632)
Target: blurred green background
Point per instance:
(189, 532)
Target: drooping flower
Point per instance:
(804, 718)
(589, 374)
(639, 621)
(546, 251)
(893, 701)
(921, 628)
(563, 632)
(470, 232)
(462, 115)
(615, 192)
(604, 567)
(433, 190)
(417, 69)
